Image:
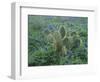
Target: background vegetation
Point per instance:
(57, 40)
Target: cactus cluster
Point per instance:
(63, 41)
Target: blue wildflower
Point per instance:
(51, 27)
(33, 49)
(49, 17)
(69, 53)
(85, 45)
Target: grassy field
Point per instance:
(57, 40)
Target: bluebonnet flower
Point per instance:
(85, 45)
(33, 49)
(69, 53)
(51, 27)
(49, 17)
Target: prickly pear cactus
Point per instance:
(63, 41)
